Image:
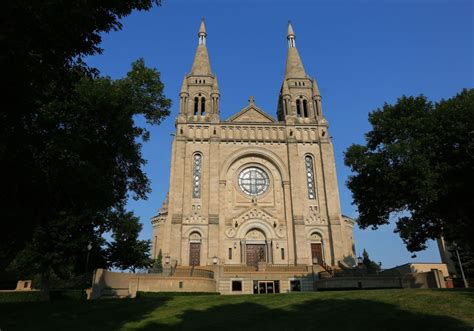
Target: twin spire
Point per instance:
(201, 92)
(202, 65)
(294, 65)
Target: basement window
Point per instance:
(295, 285)
(236, 286)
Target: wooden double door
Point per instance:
(195, 254)
(255, 254)
(317, 253)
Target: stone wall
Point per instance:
(431, 279)
(119, 284)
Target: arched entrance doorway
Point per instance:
(317, 254)
(195, 249)
(255, 247)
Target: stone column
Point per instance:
(243, 252)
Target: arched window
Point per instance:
(308, 160)
(305, 108)
(196, 104)
(197, 167)
(298, 108)
(203, 106)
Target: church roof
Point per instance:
(294, 66)
(290, 30)
(251, 113)
(201, 64)
(202, 27)
(315, 88)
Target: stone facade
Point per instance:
(252, 189)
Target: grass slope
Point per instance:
(348, 310)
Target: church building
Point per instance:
(252, 195)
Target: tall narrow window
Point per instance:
(310, 177)
(197, 164)
(298, 108)
(196, 104)
(282, 253)
(230, 253)
(305, 108)
(203, 106)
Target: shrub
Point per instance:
(67, 295)
(23, 296)
(172, 294)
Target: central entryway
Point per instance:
(255, 254)
(266, 286)
(194, 254)
(317, 253)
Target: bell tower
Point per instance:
(299, 100)
(199, 95)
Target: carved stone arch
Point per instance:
(202, 94)
(195, 236)
(255, 234)
(258, 152)
(188, 232)
(315, 231)
(256, 224)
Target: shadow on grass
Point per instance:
(76, 315)
(328, 314)
(468, 293)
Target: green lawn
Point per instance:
(347, 310)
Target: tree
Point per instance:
(418, 164)
(371, 266)
(62, 127)
(126, 251)
(91, 163)
(158, 263)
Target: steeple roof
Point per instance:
(184, 86)
(202, 27)
(290, 30)
(294, 65)
(201, 64)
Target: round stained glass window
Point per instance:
(253, 181)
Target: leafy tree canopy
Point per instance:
(126, 251)
(418, 165)
(69, 146)
(372, 267)
(91, 161)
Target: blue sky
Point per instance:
(362, 53)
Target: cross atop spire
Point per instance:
(290, 36)
(202, 33)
